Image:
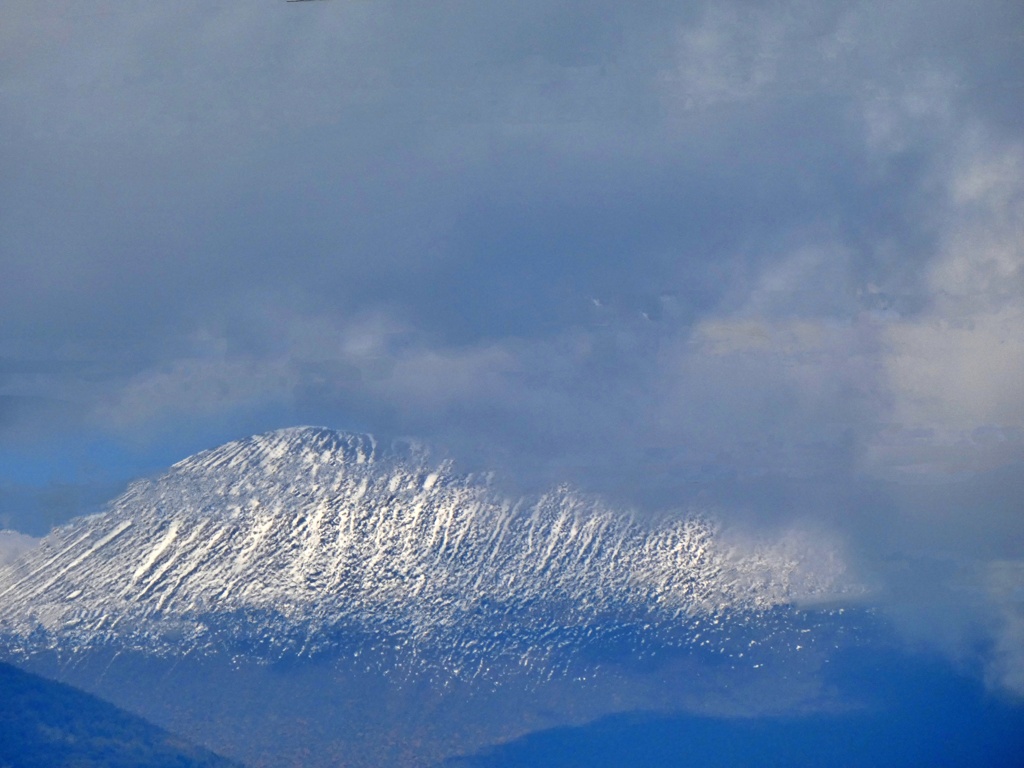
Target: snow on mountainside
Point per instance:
(301, 540)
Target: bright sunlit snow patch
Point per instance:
(300, 540)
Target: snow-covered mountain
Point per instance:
(305, 541)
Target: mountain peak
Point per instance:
(308, 442)
(296, 540)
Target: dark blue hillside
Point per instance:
(44, 724)
(910, 713)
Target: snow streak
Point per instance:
(302, 540)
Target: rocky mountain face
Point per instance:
(347, 563)
(287, 543)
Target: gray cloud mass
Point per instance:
(762, 258)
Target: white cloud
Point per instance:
(928, 392)
(336, 359)
(954, 370)
(729, 55)
(13, 544)
(193, 388)
(1005, 586)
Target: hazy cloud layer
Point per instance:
(763, 257)
(13, 544)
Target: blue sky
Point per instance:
(759, 258)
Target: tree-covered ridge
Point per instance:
(45, 724)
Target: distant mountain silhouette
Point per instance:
(904, 711)
(316, 598)
(44, 724)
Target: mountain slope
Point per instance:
(293, 542)
(309, 597)
(45, 724)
